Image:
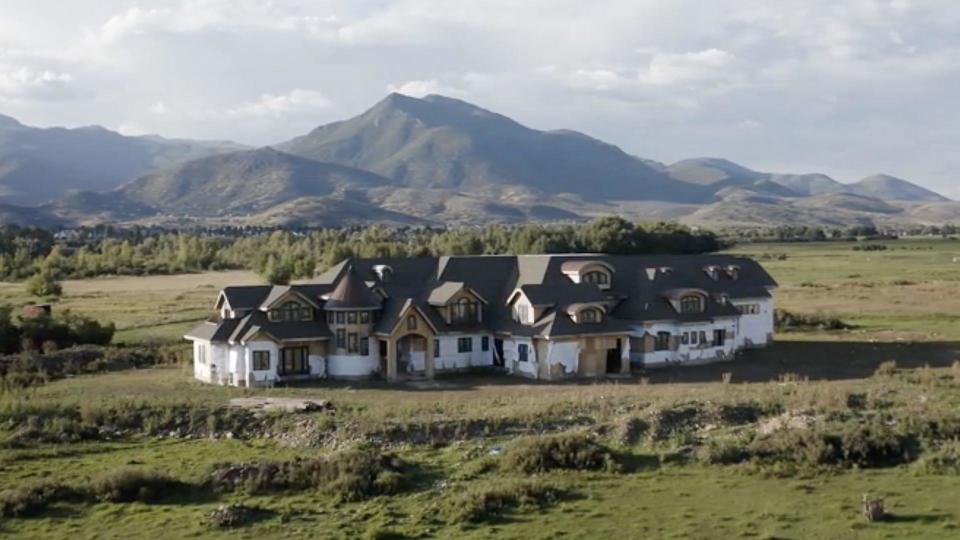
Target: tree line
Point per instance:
(279, 256)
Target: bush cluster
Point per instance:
(944, 459)
(544, 453)
(33, 368)
(30, 424)
(870, 247)
(786, 320)
(134, 484)
(349, 475)
(48, 333)
(489, 503)
(32, 499)
(124, 485)
(857, 443)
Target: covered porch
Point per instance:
(408, 351)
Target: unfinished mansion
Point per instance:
(540, 316)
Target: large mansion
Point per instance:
(541, 316)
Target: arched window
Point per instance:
(590, 315)
(465, 310)
(596, 276)
(691, 304)
(291, 312)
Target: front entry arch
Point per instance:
(410, 354)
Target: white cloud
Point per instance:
(423, 88)
(279, 105)
(32, 84)
(689, 67)
(826, 82)
(159, 107)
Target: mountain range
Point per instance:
(415, 161)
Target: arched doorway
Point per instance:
(411, 355)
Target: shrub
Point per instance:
(723, 452)
(886, 369)
(488, 503)
(43, 284)
(943, 460)
(32, 499)
(860, 444)
(870, 247)
(134, 484)
(786, 320)
(676, 421)
(349, 475)
(564, 451)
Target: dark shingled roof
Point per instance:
(246, 296)
(635, 295)
(563, 293)
(352, 293)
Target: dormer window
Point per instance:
(384, 272)
(733, 271)
(588, 271)
(465, 310)
(290, 312)
(590, 315)
(597, 277)
(691, 304)
(712, 271)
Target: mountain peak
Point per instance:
(438, 110)
(887, 187)
(9, 121)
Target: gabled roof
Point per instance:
(563, 293)
(277, 292)
(442, 293)
(244, 297)
(352, 292)
(634, 295)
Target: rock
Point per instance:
(873, 508)
(231, 515)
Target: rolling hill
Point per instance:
(440, 142)
(410, 161)
(891, 188)
(244, 182)
(40, 164)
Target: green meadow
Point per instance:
(779, 443)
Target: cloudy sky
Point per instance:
(848, 88)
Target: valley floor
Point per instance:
(685, 439)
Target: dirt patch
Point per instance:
(290, 405)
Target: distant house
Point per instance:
(540, 316)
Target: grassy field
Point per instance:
(895, 373)
(910, 291)
(655, 495)
(154, 308)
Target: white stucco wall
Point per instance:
(510, 356)
(261, 376)
(564, 353)
(451, 359)
(690, 353)
(755, 330)
(353, 366)
(201, 370)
